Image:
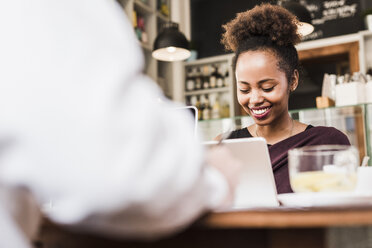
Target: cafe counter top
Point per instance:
(286, 217)
(279, 227)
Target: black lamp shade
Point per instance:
(171, 44)
(302, 14)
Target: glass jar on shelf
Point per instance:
(198, 79)
(190, 80)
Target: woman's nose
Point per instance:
(256, 97)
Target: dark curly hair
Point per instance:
(266, 27)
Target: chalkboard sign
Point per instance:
(333, 18)
(330, 18)
(207, 18)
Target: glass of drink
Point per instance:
(323, 168)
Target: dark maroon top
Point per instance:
(278, 152)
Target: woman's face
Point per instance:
(262, 88)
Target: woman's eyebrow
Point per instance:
(243, 82)
(265, 80)
(259, 82)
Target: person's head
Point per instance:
(266, 61)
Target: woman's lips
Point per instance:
(260, 113)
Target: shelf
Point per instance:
(224, 95)
(208, 91)
(142, 8)
(152, 20)
(210, 60)
(336, 40)
(365, 33)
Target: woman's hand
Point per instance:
(222, 159)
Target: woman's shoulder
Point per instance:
(324, 130)
(329, 134)
(240, 133)
(236, 134)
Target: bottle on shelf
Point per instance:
(206, 82)
(219, 78)
(141, 26)
(215, 112)
(205, 77)
(190, 80)
(225, 74)
(225, 106)
(193, 101)
(134, 19)
(144, 37)
(206, 109)
(188, 101)
(198, 79)
(226, 79)
(201, 107)
(213, 78)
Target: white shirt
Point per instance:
(82, 126)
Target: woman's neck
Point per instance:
(275, 132)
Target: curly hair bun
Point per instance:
(271, 21)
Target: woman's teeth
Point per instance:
(259, 111)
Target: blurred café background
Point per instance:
(180, 40)
(335, 82)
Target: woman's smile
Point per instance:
(260, 112)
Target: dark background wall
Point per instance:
(331, 18)
(207, 18)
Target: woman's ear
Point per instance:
(294, 83)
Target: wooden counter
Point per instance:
(290, 218)
(274, 228)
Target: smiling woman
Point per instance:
(263, 91)
(266, 69)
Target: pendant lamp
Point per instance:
(171, 44)
(305, 27)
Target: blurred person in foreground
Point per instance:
(81, 125)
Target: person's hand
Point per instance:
(222, 159)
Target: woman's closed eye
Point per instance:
(244, 91)
(268, 89)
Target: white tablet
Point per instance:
(256, 186)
